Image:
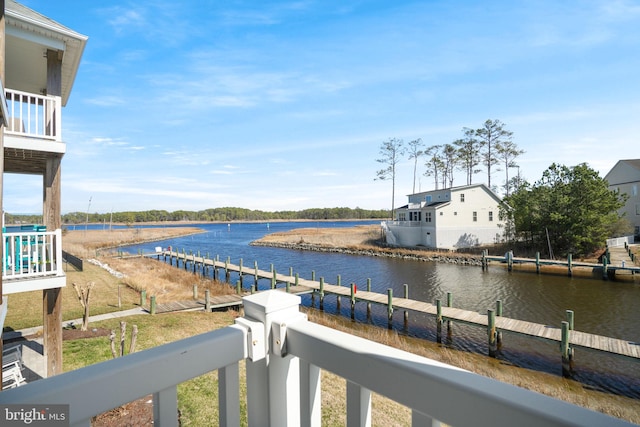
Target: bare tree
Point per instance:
(83, 296)
(414, 154)
(491, 134)
(449, 156)
(507, 151)
(434, 164)
(391, 151)
(469, 153)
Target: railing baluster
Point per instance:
(358, 405)
(229, 395)
(165, 407)
(310, 395)
(422, 420)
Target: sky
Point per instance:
(284, 105)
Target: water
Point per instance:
(601, 307)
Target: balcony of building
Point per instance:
(284, 355)
(32, 260)
(33, 131)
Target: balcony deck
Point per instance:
(33, 132)
(284, 355)
(33, 261)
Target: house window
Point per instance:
(634, 190)
(427, 217)
(427, 199)
(475, 216)
(455, 214)
(402, 216)
(441, 213)
(461, 197)
(490, 215)
(419, 216)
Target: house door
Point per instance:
(427, 239)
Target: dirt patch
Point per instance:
(76, 334)
(134, 414)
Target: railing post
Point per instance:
(273, 382)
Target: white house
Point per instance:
(625, 177)
(452, 218)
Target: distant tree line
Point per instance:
(215, 214)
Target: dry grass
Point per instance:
(90, 243)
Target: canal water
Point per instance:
(601, 307)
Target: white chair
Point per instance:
(12, 377)
(12, 357)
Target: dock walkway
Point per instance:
(296, 284)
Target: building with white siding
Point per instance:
(452, 218)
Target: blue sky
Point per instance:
(283, 105)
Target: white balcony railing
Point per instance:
(32, 115)
(32, 254)
(284, 355)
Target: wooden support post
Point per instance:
(339, 281)
(569, 266)
(368, 303)
(499, 308)
(484, 260)
(491, 332)
(290, 271)
(438, 321)
(195, 291)
(288, 286)
(390, 308)
(273, 278)
(227, 273)
(353, 301)
(449, 304)
(313, 275)
(255, 273)
(567, 351)
(152, 304)
(570, 319)
(143, 298)
(605, 274)
(321, 293)
(238, 287)
(240, 270)
(498, 332)
(538, 262)
(406, 312)
(510, 260)
(207, 301)
(297, 282)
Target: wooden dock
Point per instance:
(492, 320)
(620, 264)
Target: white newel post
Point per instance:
(273, 377)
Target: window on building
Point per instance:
(461, 197)
(490, 215)
(419, 216)
(402, 216)
(427, 199)
(475, 216)
(634, 190)
(427, 217)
